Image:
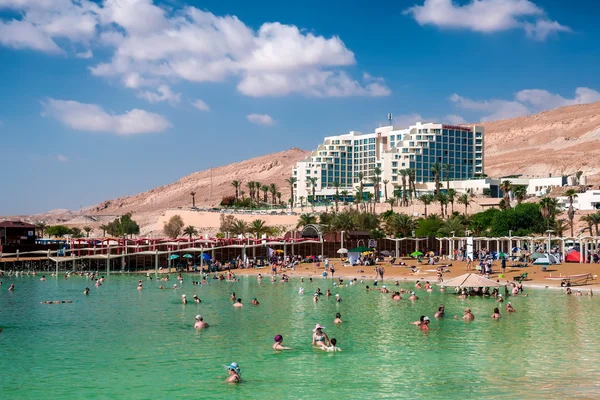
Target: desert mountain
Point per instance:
(210, 185)
(558, 142)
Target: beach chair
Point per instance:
(520, 278)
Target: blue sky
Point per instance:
(108, 98)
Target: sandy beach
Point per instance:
(535, 278)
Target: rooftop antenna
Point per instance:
(390, 118)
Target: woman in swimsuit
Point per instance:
(319, 337)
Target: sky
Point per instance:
(101, 99)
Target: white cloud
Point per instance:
(261, 119)
(85, 54)
(61, 158)
(93, 118)
(164, 94)
(406, 120)
(24, 35)
(526, 102)
(200, 105)
(487, 16)
(454, 119)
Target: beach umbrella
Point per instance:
(470, 280)
(537, 255)
(515, 249)
(342, 251)
(416, 254)
(501, 255)
(173, 256)
(206, 256)
(386, 253)
(188, 256)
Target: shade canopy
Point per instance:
(470, 280)
(173, 256)
(342, 251)
(188, 256)
(416, 254)
(360, 249)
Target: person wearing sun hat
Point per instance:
(500, 298)
(509, 308)
(413, 296)
(234, 373)
(337, 297)
(200, 324)
(278, 343)
(319, 337)
(424, 326)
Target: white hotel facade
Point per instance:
(341, 158)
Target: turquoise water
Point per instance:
(120, 343)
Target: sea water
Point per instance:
(121, 343)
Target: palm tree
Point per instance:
(360, 176)
(313, 184)
(391, 203)
(590, 222)
(306, 219)
(548, 208)
(578, 175)
(464, 199)
(265, 190)
(375, 181)
(368, 197)
(447, 169)
(385, 183)
(190, 231)
(443, 200)
(250, 185)
(559, 226)
(571, 194)
(291, 181)
(193, 194)
(258, 228)
(398, 195)
(399, 225)
(336, 197)
(344, 194)
(104, 228)
(87, 230)
(596, 221)
(506, 187)
(257, 186)
(452, 224)
(273, 191)
(426, 199)
(344, 221)
(519, 193)
(239, 227)
(42, 228)
(451, 193)
(279, 197)
(436, 170)
(236, 185)
(404, 174)
(412, 190)
(302, 203)
(377, 172)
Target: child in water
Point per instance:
(333, 347)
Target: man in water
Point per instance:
(338, 298)
(200, 324)
(413, 296)
(238, 303)
(184, 299)
(196, 299)
(440, 312)
(332, 346)
(468, 315)
(139, 287)
(86, 291)
(255, 302)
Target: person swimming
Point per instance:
(328, 293)
(500, 298)
(86, 291)
(238, 303)
(338, 299)
(301, 290)
(278, 343)
(319, 337)
(197, 299)
(496, 314)
(255, 301)
(234, 373)
(200, 324)
(413, 296)
(396, 296)
(184, 299)
(468, 315)
(332, 346)
(232, 297)
(338, 318)
(316, 297)
(509, 308)
(419, 322)
(11, 288)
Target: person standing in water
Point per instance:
(509, 308)
(338, 318)
(424, 326)
(200, 324)
(440, 312)
(278, 343)
(468, 315)
(234, 373)
(319, 337)
(332, 346)
(496, 314)
(255, 301)
(184, 299)
(86, 291)
(238, 303)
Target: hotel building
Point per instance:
(340, 159)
